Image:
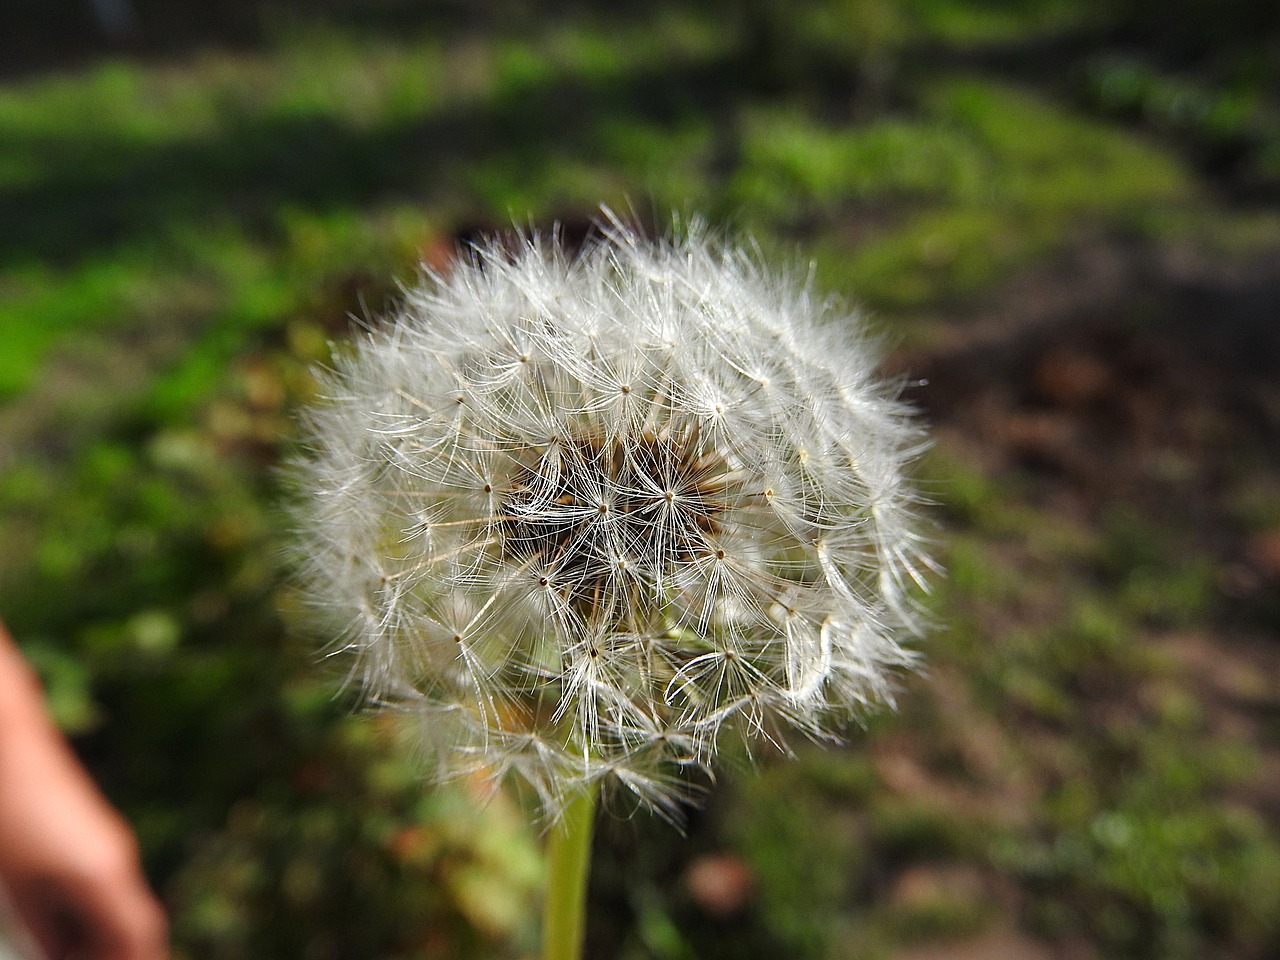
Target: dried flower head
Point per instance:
(588, 515)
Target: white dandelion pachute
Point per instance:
(590, 514)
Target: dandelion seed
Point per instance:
(589, 515)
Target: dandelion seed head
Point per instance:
(587, 516)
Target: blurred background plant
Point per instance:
(1065, 216)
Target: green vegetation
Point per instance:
(1061, 213)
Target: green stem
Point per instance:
(568, 862)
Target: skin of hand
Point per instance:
(68, 861)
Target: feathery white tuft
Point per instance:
(588, 515)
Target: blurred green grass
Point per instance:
(186, 226)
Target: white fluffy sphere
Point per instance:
(587, 515)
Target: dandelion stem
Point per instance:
(568, 863)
